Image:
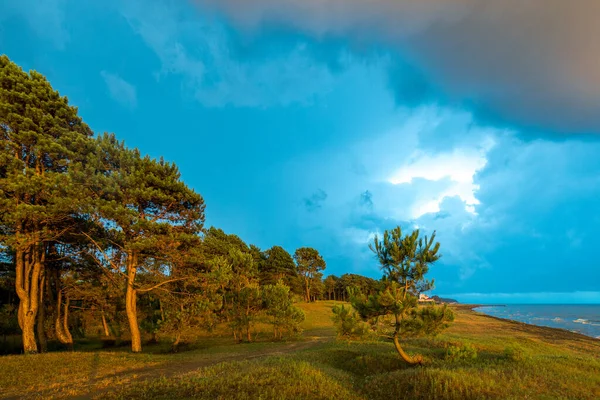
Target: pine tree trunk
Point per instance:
(41, 319)
(29, 267)
(20, 313)
(57, 320)
(307, 290)
(65, 323)
(248, 336)
(162, 311)
(29, 342)
(131, 305)
(105, 325)
(175, 345)
(61, 322)
(412, 360)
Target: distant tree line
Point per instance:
(336, 288)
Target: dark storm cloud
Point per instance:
(532, 64)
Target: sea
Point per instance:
(583, 318)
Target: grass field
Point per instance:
(479, 357)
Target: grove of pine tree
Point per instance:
(91, 225)
(99, 239)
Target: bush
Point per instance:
(460, 353)
(281, 313)
(515, 353)
(348, 324)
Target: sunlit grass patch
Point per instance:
(71, 373)
(358, 359)
(66, 372)
(275, 378)
(318, 317)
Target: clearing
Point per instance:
(492, 358)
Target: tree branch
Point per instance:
(160, 284)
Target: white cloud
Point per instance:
(201, 50)
(459, 166)
(120, 90)
(436, 191)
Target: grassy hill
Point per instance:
(479, 357)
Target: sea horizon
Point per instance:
(578, 318)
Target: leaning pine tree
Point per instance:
(405, 261)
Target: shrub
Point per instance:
(460, 353)
(348, 324)
(281, 313)
(516, 353)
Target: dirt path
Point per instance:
(178, 368)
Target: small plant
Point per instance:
(460, 353)
(516, 353)
(348, 324)
(281, 313)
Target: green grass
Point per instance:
(489, 359)
(273, 378)
(64, 372)
(318, 318)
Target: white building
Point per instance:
(424, 298)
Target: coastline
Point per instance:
(472, 307)
(546, 331)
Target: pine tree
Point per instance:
(405, 260)
(43, 142)
(278, 265)
(244, 300)
(308, 263)
(330, 286)
(278, 306)
(150, 212)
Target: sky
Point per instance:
(322, 123)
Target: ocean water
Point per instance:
(584, 318)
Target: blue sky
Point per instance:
(323, 122)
